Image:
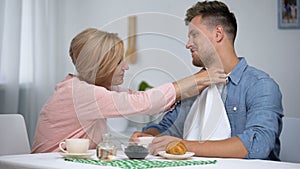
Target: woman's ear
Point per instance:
(219, 33)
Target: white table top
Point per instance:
(56, 161)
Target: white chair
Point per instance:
(290, 140)
(14, 138)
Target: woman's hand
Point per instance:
(210, 76)
(194, 84)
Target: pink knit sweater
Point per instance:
(79, 110)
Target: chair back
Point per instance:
(290, 140)
(14, 138)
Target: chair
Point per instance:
(14, 138)
(290, 140)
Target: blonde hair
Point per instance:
(96, 54)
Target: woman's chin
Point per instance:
(118, 82)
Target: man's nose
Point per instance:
(188, 44)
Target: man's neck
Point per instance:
(229, 60)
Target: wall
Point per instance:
(273, 50)
(162, 37)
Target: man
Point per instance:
(253, 101)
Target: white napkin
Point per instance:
(207, 119)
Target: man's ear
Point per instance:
(219, 33)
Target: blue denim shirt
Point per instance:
(254, 108)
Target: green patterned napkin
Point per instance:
(141, 164)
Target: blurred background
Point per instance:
(35, 37)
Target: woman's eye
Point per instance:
(119, 62)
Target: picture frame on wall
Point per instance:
(288, 14)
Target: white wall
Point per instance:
(162, 38)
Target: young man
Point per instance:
(253, 101)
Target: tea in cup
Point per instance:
(75, 145)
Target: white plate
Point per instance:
(77, 155)
(176, 157)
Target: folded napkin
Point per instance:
(207, 119)
(142, 164)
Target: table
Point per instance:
(56, 161)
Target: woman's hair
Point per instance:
(214, 13)
(96, 54)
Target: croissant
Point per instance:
(176, 147)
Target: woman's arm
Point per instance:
(194, 84)
(103, 103)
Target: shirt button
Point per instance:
(234, 108)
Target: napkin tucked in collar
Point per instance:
(207, 119)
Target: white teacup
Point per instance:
(145, 140)
(75, 145)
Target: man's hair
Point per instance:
(214, 13)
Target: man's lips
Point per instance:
(193, 52)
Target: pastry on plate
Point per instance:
(176, 148)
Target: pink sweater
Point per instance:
(79, 110)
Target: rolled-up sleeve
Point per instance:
(264, 122)
(166, 122)
(173, 121)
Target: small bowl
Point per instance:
(135, 151)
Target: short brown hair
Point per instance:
(214, 13)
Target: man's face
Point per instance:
(199, 43)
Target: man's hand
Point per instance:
(160, 143)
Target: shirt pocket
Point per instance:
(237, 117)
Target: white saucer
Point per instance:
(176, 157)
(77, 155)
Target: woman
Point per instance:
(81, 103)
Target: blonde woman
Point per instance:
(81, 103)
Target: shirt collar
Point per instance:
(237, 72)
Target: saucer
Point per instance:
(77, 155)
(176, 157)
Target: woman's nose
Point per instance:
(125, 66)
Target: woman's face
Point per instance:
(118, 71)
(118, 75)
